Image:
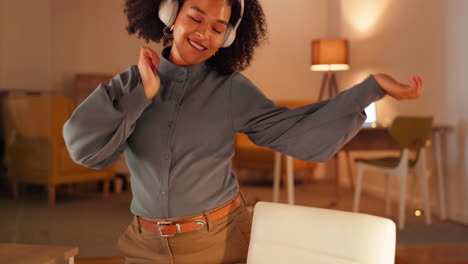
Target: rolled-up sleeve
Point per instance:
(96, 133)
(313, 132)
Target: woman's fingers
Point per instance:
(152, 55)
(153, 59)
(401, 91)
(416, 85)
(150, 58)
(143, 64)
(414, 82)
(147, 65)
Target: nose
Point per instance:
(203, 31)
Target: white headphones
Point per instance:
(168, 10)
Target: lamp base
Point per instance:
(328, 83)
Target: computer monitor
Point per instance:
(371, 112)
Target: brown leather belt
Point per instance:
(168, 229)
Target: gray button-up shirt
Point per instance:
(179, 145)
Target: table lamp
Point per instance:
(329, 55)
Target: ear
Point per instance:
(168, 10)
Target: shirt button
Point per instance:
(166, 156)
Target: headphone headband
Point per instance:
(168, 10)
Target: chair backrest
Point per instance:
(36, 115)
(284, 233)
(411, 131)
(85, 83)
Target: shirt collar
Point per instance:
(171, 71)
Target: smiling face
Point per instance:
(199, 31)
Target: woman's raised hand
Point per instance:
(148, 64)
(400, 91)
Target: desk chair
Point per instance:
(283, 233)
(408, 132)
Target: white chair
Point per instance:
(408, 132)
(283, 233)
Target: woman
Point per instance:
(176, 116)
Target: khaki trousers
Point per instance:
(223, 241)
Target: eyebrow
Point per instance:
(203, 12)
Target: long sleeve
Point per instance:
(314, 132)
(96, 133)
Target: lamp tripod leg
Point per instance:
(322, 87)
(335, 84)
(330, 84)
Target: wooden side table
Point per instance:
(37, 254)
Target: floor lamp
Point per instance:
(329, 55)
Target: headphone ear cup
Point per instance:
(168, 10)
(229, 37)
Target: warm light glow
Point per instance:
(363, 15)
(329, 67)
(329, 55)
(428, 143)
(417, 213)
(374, 125)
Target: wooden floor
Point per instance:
(433, 253)
(406, 254)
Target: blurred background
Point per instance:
(53, 53)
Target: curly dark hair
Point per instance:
(144, 21)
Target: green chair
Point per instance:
(410, 133)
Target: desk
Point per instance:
(369, 139)
(36, 254)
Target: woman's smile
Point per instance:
(196, 45)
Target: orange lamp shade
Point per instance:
(329, 55)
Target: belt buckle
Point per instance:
(178, 231)
(167, 223)
(201, 223)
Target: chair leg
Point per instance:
(412, 190)
(118, 183)
(350, 170)
(52, 193)
(15, 190)
(106, 189)
(336, 161)
(402, 202)
(439, 161)
(424, 188)
(387, 195)
(290, 179)
(276, 177)
(357, 191)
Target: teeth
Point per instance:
(201, 48)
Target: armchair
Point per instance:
(35, 148)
